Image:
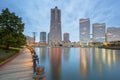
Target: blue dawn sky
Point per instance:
(36, 14)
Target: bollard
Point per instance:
(39, 77)
(39, 74)
(39, 69)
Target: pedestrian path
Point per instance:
(18, 69)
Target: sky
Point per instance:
(36, 14)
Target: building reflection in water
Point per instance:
(82, 63)
(66, 54)
(103, 59)
(84, 54)
(96, 60)
(42, 54)
(111, 57)
(55, 62)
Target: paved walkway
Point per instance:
(18, 69)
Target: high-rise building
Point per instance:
(55, 26)
(84, 30)
(48, 38)
(42, 37)
(113, 34)
(98, 32)
(66, 37)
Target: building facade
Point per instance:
(66, 37)
(84, 29)
(98, 32)
(42, 37)
(113, 34)
(55, 26)
(48, 38)
(29, 39)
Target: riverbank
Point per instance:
(110, 47)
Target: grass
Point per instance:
(7, 53)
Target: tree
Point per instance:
(11, 29)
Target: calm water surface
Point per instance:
(80, 63)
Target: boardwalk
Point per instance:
(18, 69)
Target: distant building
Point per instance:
(55, 26)
(66, 37)
(29, 40)
(42, 37)
(98, 32)
(113, 34)
(48, 40)
(84, 30)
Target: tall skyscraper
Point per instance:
(113, 34)
(98, 32)
(84, 30)
(42, 37)
(66, 37)
(55, 26)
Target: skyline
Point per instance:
(36, 14)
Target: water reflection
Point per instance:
(111, 57)
(42, 54)
(104, 58)
(55, 62)
(66, 54)
(84, 54)
(98, 62)
(80, 63)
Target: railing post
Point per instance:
(39, 74)
(35, 62)
(38, 70)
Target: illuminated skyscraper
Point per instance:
(98, 32)
(113, 34)
(55, 26)
(84, 30)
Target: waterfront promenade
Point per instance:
(20, 68)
